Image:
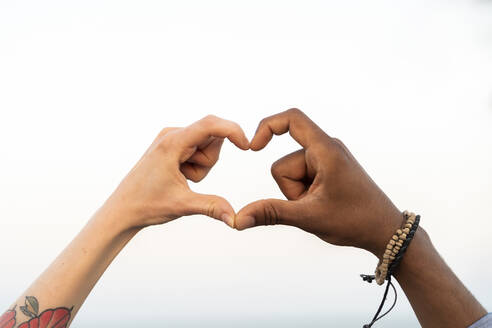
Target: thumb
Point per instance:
(267, 212)
(210, 205)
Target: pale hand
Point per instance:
(156, 190)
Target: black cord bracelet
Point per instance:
(391, 269)
(403, 249)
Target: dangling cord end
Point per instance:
(369, 279)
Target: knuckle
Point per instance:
(199, 177)
(212, 161)
(164, 146)
(340, 147)
(337, 155)
(191, 174)
(167, 130)
(209, 118)
(338, 141)
(212, 205)
(264, 121)
(202, 128)
(295, 111)
(270, 214)
(164, 131)
(194, 178)
(168, 142)
(275, 168)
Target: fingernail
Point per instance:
(227, 219)
(246, 222)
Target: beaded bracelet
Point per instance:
(395, 249)
(403, 249)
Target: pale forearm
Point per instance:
(437, 296)
(69, 279)
(155, 191)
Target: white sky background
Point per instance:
(85, 87)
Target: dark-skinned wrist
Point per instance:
(438, 297)
(388, 223)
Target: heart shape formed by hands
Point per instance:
(328, 193)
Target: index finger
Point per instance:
(300, 127)
(213, 126)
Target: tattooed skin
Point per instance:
(51, 318)
(7, 320)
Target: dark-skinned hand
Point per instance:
(328, 193)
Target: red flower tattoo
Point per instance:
(7, 320)
(51, 318)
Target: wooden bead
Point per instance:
(393, 247)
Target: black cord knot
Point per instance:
(368, 278)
